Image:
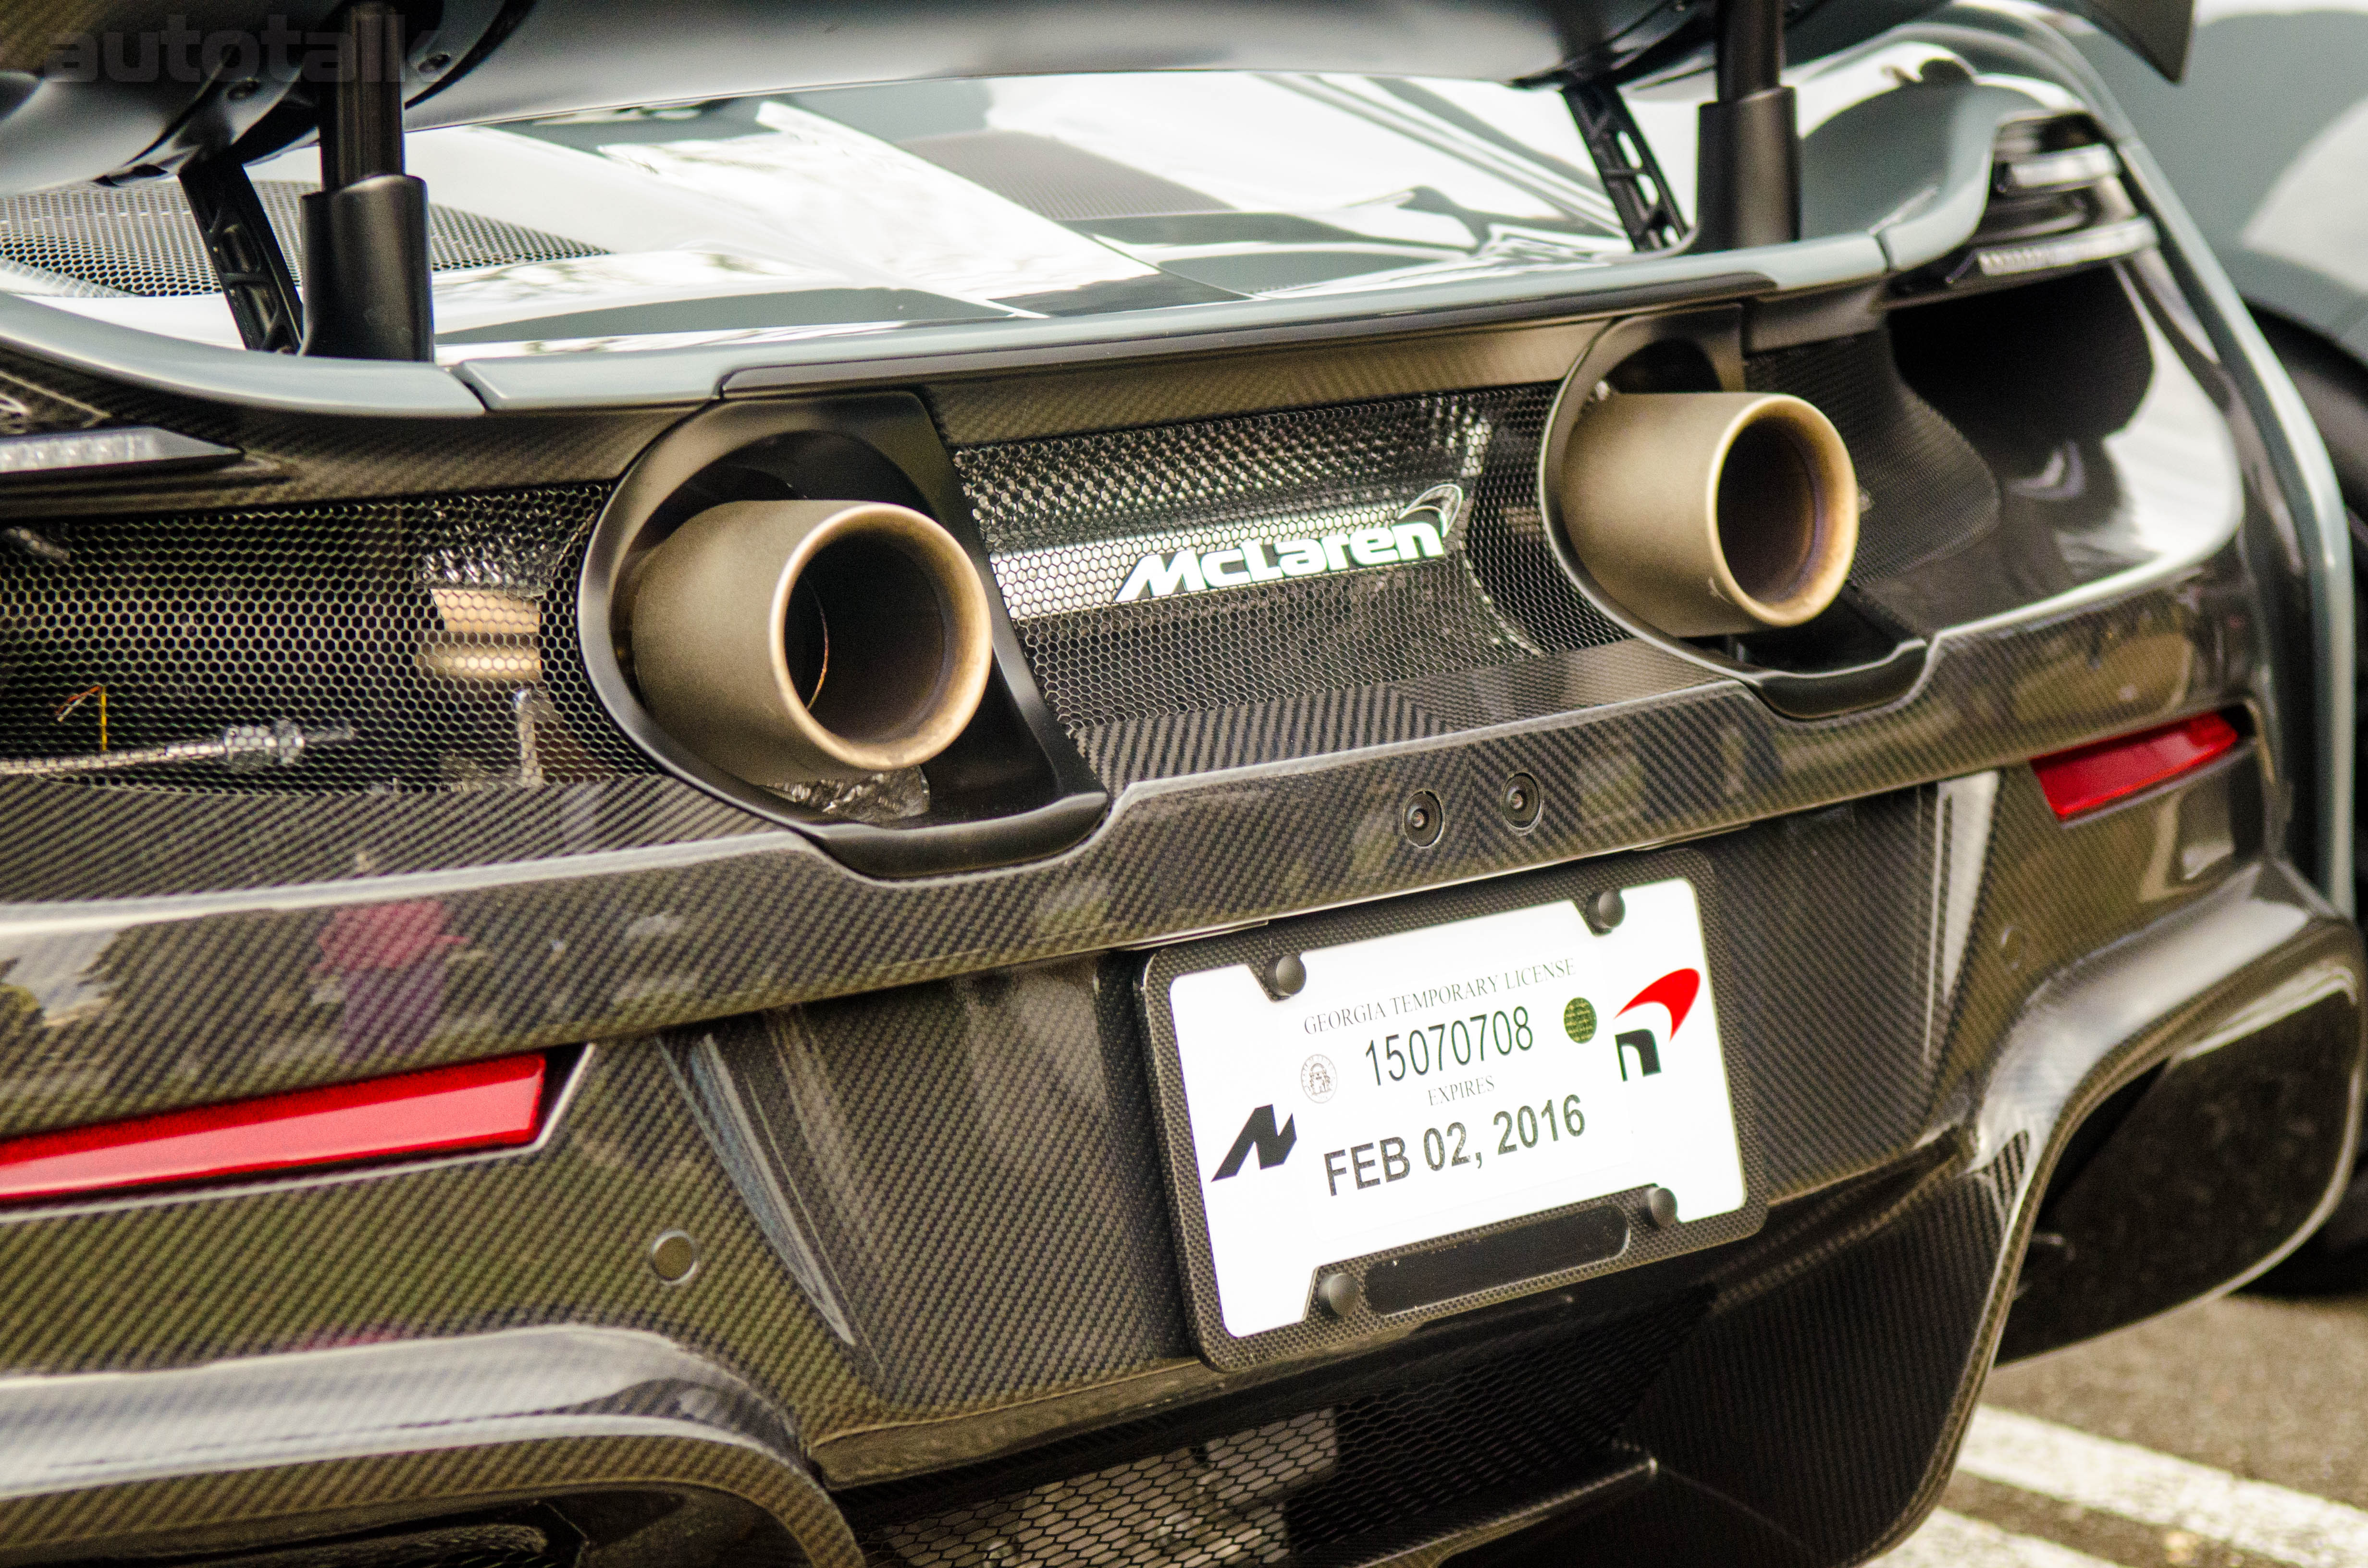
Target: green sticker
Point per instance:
(1579, 1019)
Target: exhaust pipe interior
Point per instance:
(786, 641)
(1709, 514)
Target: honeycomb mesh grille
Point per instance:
(1066, 520)
(141, 239)
(381, 645)
(1399, 1463)
(1924, 488)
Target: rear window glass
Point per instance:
(871, 210)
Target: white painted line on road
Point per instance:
(1952, 1540)
(2138, 1483)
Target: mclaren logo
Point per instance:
(1418, 532)
(1674, 993)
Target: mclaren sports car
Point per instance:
(789, 784)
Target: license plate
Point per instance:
(1422, 1084)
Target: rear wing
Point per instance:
(119, 91)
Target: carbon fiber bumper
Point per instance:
(938, 1284)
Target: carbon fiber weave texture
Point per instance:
(1200, 694)
(235, 1505)
(1157, 687)
(423, 1253)
(1408, 1458)
(1073, 399)
(2195, 1186)
(1834, 1392)
(960, 1173)
(2037, 921)
(437, 632)
(74, 844)
(1924, 490)
(1023, 1085)
(1064, 518)
(234, 999)
(957, 1171)
(302, 457)
(1036, 1057)
(1175, 744)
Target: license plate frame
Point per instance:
(1582, 1228)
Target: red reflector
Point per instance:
(474, 1105)
(2088, 777)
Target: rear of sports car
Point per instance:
(1307, 786)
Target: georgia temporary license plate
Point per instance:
(1427, 1083)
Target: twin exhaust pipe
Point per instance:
(786, 641)
(1709, 514)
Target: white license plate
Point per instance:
(1424, 1084)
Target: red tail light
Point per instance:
(475, 1106)
(2088, 777)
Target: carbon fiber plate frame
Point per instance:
(1321, 1333)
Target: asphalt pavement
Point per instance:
(2229, 1432)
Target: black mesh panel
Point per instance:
(384, 645)
(1924, 488)
(1064, 518)
(139, 239)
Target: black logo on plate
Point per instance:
(1648, 1055)
(1258, 1132)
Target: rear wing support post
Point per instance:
(366, 229)
(1748, 182)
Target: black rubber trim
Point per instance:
(1416, 1279)
(1824, 693)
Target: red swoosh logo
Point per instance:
(1675, 991)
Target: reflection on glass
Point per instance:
(878, 209)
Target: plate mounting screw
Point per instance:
(1604, 911)
(1660, 1207)
(1336, 1294)
(1286, 976)
(1424, 819)
(674, 1257)
(1520, 801)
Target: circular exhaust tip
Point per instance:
(792, 641)
(1708, 514)
(1786, 506)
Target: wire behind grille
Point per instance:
(1064, 518)
(405, 636)
(139, 239)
